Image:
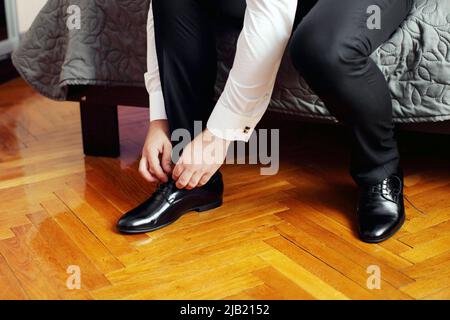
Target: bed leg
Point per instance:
(100, 129)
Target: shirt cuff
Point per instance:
(157, 107)
(226, 124)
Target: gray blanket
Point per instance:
(110, 49)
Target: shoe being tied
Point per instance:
(168, 204)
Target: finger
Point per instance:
(155, 166)
(195, 179)
(166, 158)
(204, 179)
(178, 170)
(143, 170)
(184, 179)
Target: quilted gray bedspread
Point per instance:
(110, 49)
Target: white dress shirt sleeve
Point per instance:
(267, 28)
(152, 79)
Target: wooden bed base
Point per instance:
(99, 116)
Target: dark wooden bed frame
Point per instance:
(99, 116)
(100, 123)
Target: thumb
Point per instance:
(166, 158)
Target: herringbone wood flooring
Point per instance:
(289, 236)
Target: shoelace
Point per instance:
(414, 206)
(164, 189)
(385, 187)
(382, 188)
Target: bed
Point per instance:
(102, 64)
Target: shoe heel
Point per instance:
(209, 206)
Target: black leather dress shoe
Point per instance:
(168, 204)
(381, 211)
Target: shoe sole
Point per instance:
(387, 236)
(204, 208)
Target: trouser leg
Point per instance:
(331, 48)
(186, 49)
(185, 44)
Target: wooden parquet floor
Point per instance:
(288, 236)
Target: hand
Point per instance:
(200, 160)
(156, 161)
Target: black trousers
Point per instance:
(330, 46)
